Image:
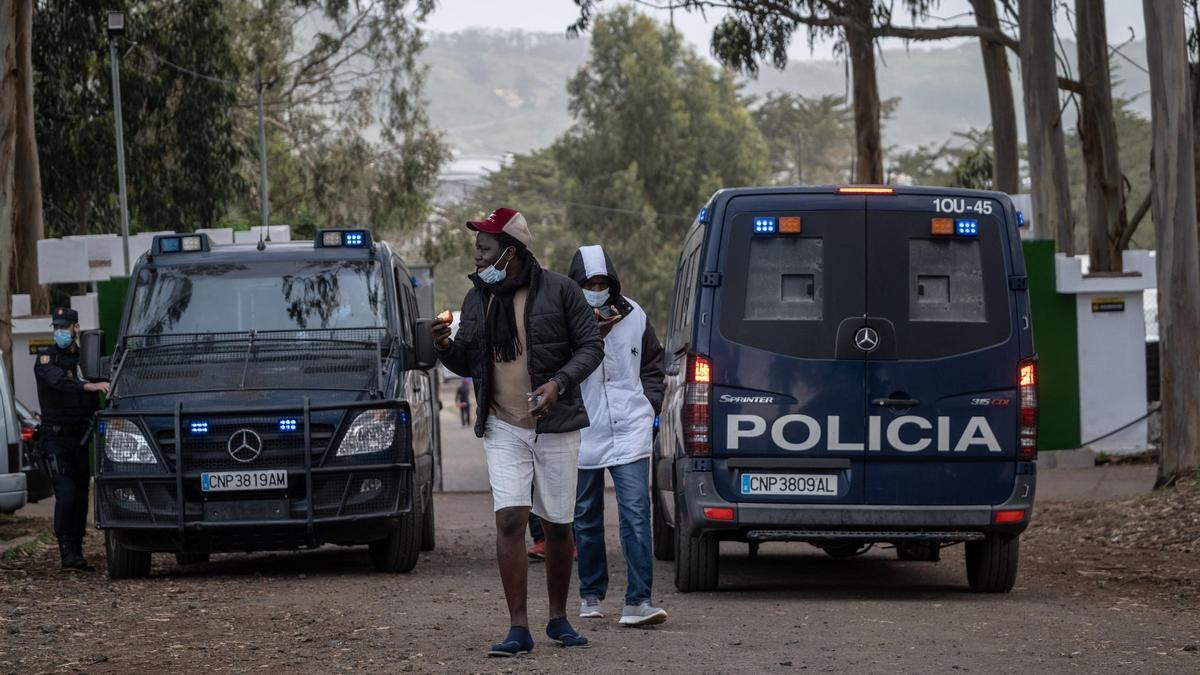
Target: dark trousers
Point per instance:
(464, 414)
(71, 477)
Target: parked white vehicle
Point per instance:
(12, 481)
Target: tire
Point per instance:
(696, 561)
(428, 540)
(124, 562)
(992, 563)
(398, 551)
(183, 559)
(662, 534)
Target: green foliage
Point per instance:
(810, 140)
(180, 131)
(1135, 140)
(349, 141)
(657, 131)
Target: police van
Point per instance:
(266, 397)
(846, 367)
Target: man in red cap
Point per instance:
(527, 338)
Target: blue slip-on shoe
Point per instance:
(519, 641)
(560, 631)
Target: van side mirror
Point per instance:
(92, 363)
(424, 355)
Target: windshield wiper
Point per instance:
(246, 361)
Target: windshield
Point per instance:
(234, 297)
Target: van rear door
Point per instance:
(788, 396)
(941, 383)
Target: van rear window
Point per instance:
(945, 281)
(787, 279)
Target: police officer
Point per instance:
(67, 404)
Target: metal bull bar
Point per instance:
(400, 455)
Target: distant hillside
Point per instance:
(505, 91)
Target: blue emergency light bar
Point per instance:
(766, 225)
(964, 227)
(198, 427)
(180, 243)
(288, 424)
(342, 239)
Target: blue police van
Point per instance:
(266, 397)
(849, 366)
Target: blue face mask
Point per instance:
(63, 338)
(596, 299)
(491, 275)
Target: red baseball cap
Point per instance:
(504, 221)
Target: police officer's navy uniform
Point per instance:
(66, 416)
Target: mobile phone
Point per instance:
(534, 402)
(608, 312)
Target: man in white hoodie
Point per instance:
(622, 397)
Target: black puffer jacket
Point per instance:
(563, 343)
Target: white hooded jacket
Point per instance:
(624, 394)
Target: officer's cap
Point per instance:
(64, 316)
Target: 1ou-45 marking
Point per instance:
(960, 205)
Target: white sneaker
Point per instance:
(590, 608)
(642, 615)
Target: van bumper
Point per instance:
(12, 492)
(848, 522)
(248, 537)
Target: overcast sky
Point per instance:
(555, 15)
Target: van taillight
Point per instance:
(1028, 399)
(696, 417)
(27, 434)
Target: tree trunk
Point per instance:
(27, 222)
(1005, 176)
(1194, 89)
(1051, 193)
(9, 89)
(1178, 258)
(1098, 134)
(868, 163)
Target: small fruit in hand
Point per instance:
(446, 317)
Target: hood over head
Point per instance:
(590, 261)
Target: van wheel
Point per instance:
(398, 551)
(695, 562)
(124, 562)
(662, 533)
(428, 540)
(992, 564)
(183, 559)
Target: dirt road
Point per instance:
(1079, 605)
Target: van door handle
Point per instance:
(896, 402)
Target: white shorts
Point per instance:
(530, 469)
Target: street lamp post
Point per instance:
(116, 28)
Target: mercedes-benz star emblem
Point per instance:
(866, 339)
(245, 445)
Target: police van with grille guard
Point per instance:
(848, 367)
(266, 397)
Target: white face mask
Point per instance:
(596, 298)
(491, 275)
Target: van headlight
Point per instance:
(125, 442)
(371, 431)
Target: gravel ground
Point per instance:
(1088, 599)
